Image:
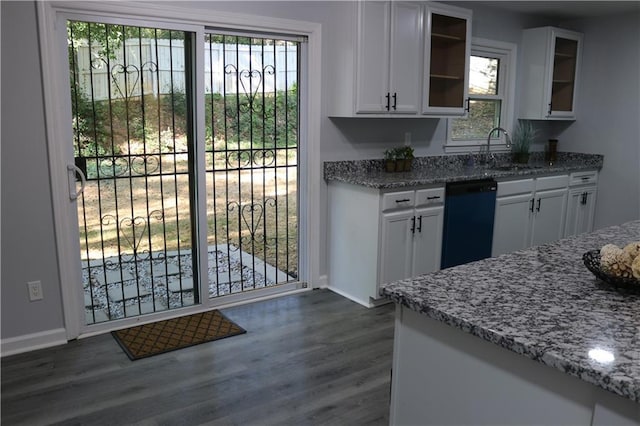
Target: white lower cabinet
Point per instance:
(377, 237)
(396, 245)
(529, 212)
(581, 207)
(411, 243)
(511, 227)
(549, 216)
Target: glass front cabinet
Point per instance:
(551, 64)
(447, 48)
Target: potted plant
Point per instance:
(521, 139)
(406, 153)
(398, 159)
(390, 159)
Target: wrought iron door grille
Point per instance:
(251, 103)
(132, 106)
(131, 140)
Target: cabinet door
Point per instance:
(446, 65)
(550, 70)
(396, 245)
(564, 57)
(512, 223)
(427, 240)
(580, 210)
(405, 57)
(372, 74)
(549, 216)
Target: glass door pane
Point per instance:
(564, 71)
(130, 102)
(251, 102)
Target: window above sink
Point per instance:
(491, 97)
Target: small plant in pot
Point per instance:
(521, 139)
(398, 159)
(407, 157)
(390, 159)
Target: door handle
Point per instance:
(419, 223)
(549, 114)
(531, 206)
(72, 169)
(388, 96)
(538, 206)
(395, 100)
(413, 225)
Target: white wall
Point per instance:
(609, 113)
(28, 249)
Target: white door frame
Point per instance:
(52, 17)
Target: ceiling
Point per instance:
(567, 9)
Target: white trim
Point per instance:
(57, 112)
(33, 341)
(507, 75)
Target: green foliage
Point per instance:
(111, 126)
(401, 153)
(523, 136)
(261, 122)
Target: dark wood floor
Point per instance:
(312, 358)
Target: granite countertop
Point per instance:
(542, 303)
(451, 168)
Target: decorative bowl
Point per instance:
(591, 260)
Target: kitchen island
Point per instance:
(530, 337)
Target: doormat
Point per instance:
(146, 340)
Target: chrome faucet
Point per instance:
(489, 155)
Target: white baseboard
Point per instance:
(323, 281)
(31, 342)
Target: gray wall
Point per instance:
(609, 113)
(28, 247)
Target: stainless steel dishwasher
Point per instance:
(469, 211)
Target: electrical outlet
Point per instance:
(407, 138)
(35, 290)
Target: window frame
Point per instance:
(507, 54)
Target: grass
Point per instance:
(161, 205)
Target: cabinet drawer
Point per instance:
(583, 178)
(429, 197)
(552, 182)
(514, 187)
(398, 200)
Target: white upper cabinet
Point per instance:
(389, 46)
(447, 49)
(550, 71)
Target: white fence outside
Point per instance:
(162, 66)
